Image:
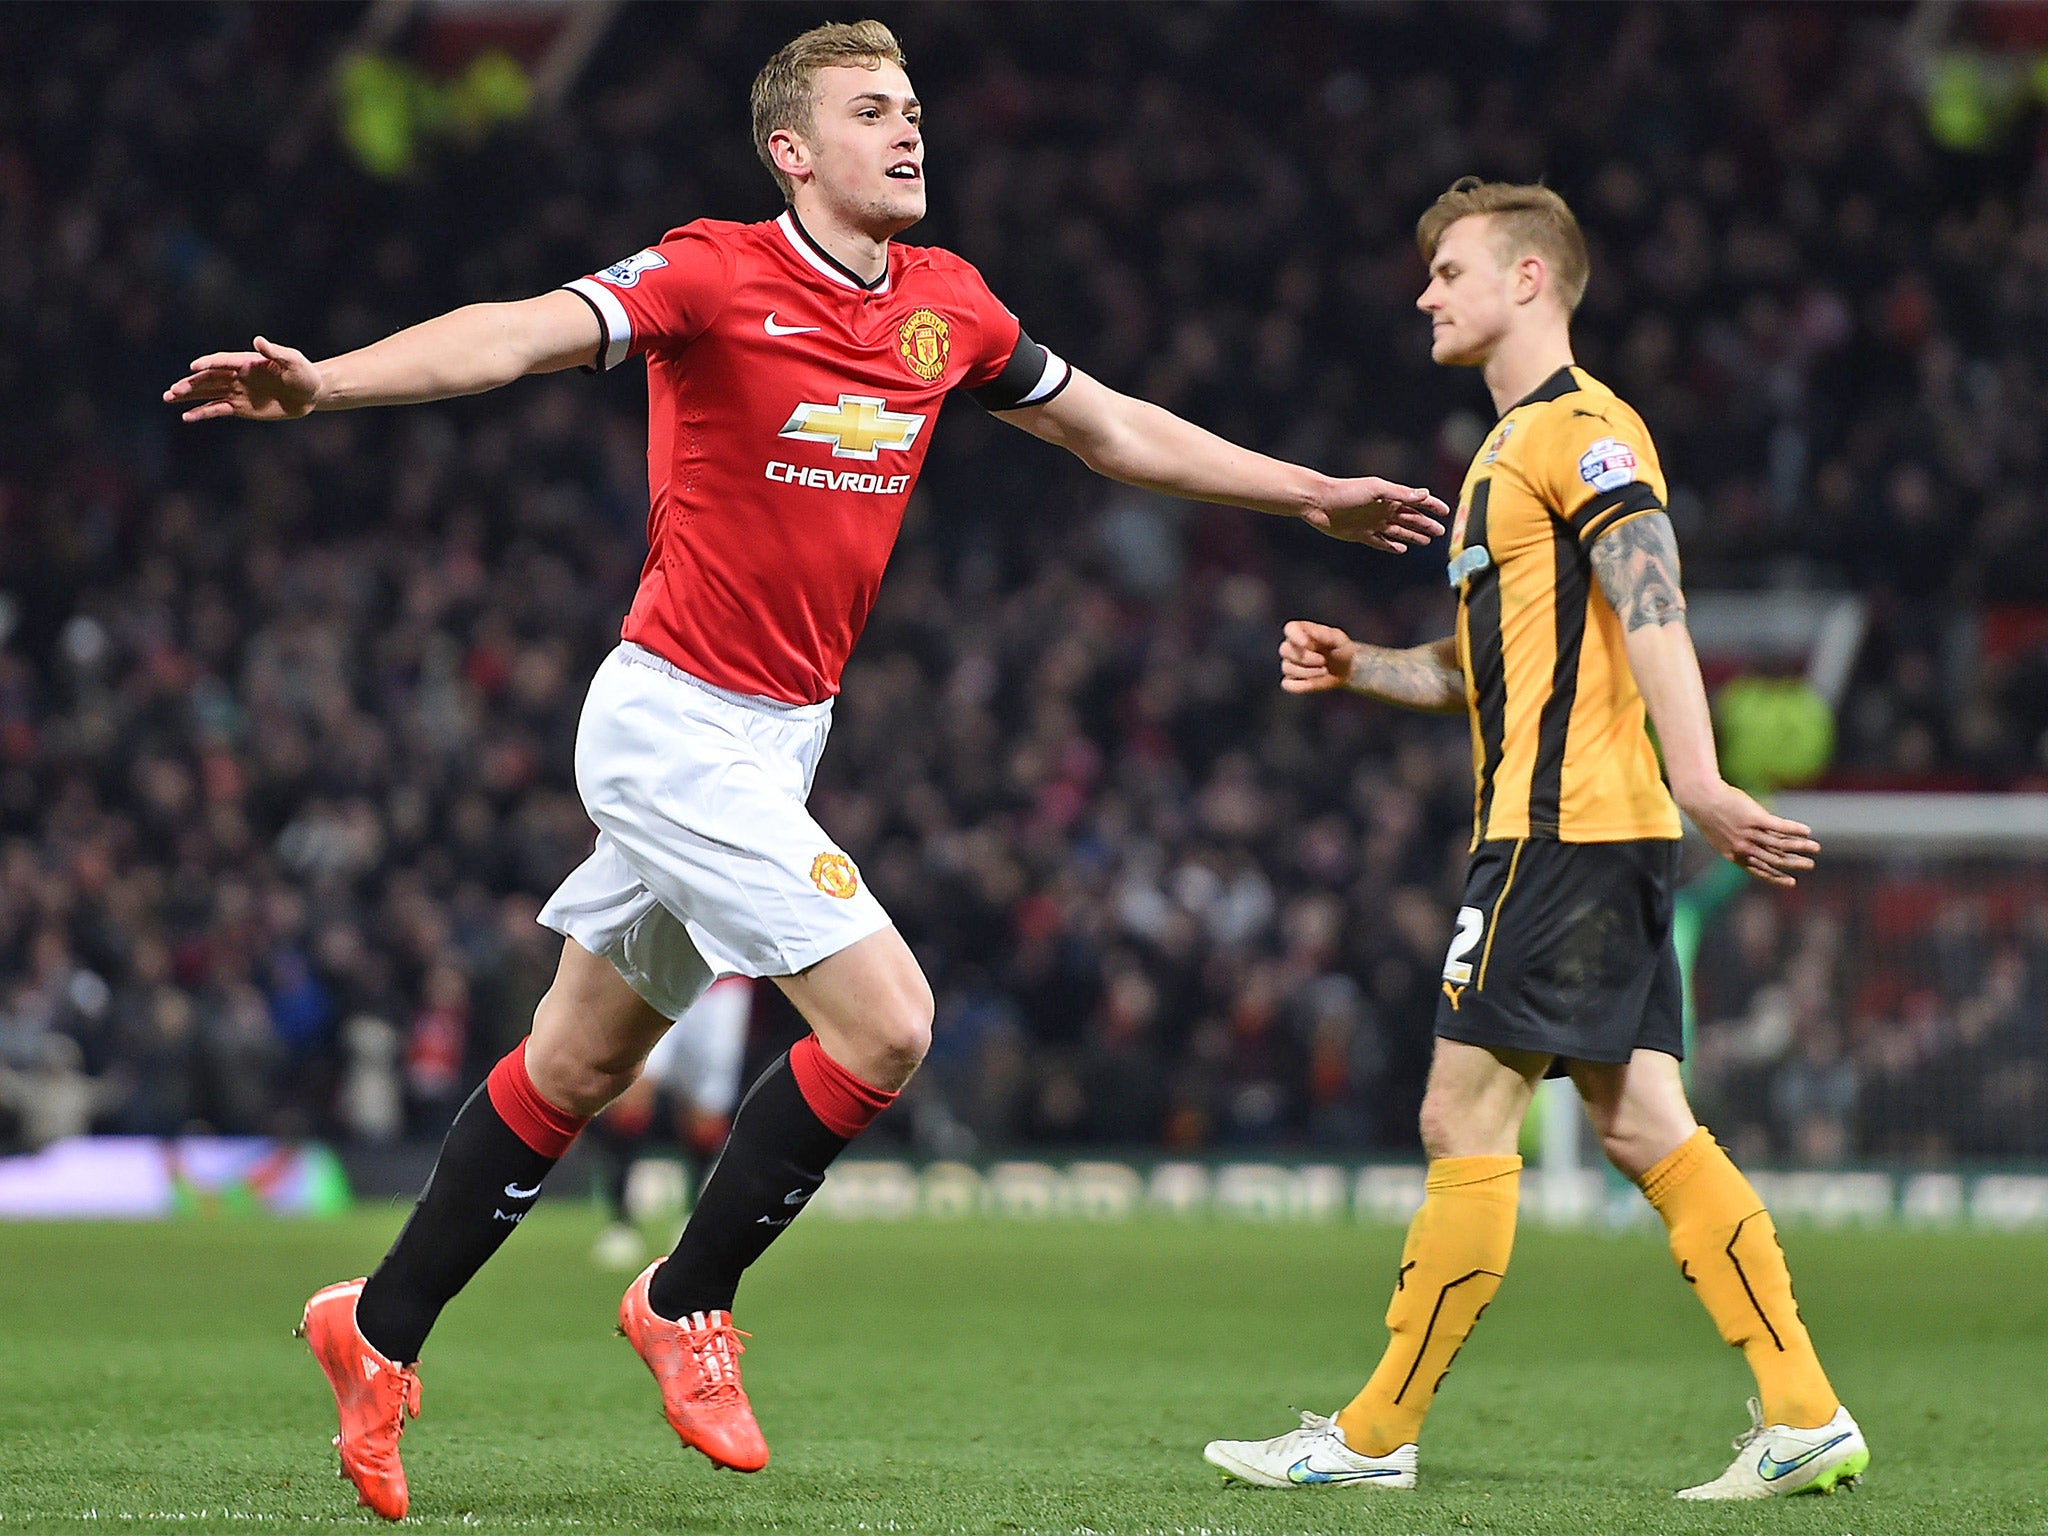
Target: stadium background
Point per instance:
(286, 714)
(285, 717)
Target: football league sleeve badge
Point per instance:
(1608, 465)
(624, 274)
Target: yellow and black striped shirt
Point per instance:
(1559, 748)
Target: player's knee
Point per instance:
(1624, 1149)
(873, 1011)
(1441, 1126)
(1637, 1137)
(570, 1083)
(1635, 1146)
(1455, 1125)
(576, 1083)
(568, 1070)
(904, 1033)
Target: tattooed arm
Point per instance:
(1636, 564)
(1315, 657)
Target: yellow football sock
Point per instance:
(1727, 1248)
(1457, 1250)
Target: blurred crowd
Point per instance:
(286, 712)
(1901, 1017)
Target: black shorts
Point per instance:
(1565, 948)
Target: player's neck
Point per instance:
(1521, 362)
(861, 252)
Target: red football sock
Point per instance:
(796, 1118)
(500, 1147)
(845, 1104)
(519, 1104)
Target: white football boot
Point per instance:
(1313, 1456)
(1775, 1459)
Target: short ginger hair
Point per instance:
(1524, 221)
(783, 90)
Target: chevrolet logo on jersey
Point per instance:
(858, 427)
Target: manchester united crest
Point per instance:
(923, 343)
(833, 874)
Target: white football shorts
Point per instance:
(700, 1058)
(707, 863)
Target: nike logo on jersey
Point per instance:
(516, 1193)
(797, 1196)
(774, 329)
(1770, 1469)
(1302, 1472)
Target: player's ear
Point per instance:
(1532, 278)
(792, 156)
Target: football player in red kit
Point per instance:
(795, 369)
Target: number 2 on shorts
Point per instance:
(1457, 969)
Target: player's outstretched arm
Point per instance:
(1315, 658)
(1141, 444)
(463, 352)
(1636, 564)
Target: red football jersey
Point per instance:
(789, 409)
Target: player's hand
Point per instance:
(1378, 512)
(1315, 657)
(1750, 837)
(272, 383)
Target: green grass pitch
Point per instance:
(1006, 1377)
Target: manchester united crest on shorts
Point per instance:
(923, 343)
(833, 874)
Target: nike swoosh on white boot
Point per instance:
(1772, 1460)
(1313, 1456)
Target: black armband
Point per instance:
(1032, 376)
(1603, 512)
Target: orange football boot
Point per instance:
(373, 1396)
(697, 1363)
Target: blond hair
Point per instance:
(783, 90)
(1526, 221)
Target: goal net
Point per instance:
(1893, 1009)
